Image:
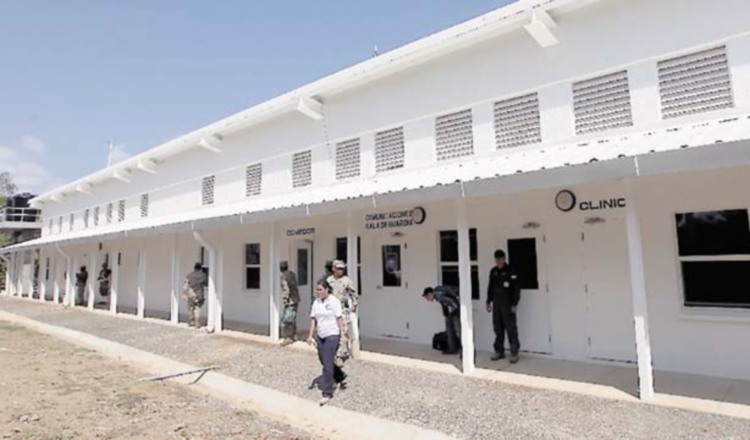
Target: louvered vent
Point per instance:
(207, 190)
(121, 211)
(347, 159)
(144, 205)
(86, 218)
(96, 216)
(389, 150)
(454, 136)
(602, 103)
(302, 169)
(253, 180)
(695, 83)
(517, 121)
(109, 213)
(72, 223)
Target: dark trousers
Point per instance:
(453, 332)
(327, 348)
(504, 321)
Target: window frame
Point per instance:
(474, 263)
(705, 311)
(247, 266)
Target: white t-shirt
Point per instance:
(325, 314)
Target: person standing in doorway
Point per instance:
(290, 298)
(448, 300)
(503, 294)
(194, 293)
(346, 293)
(105, 275)
(326, 328)
(82, 278)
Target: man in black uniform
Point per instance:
(503, 294)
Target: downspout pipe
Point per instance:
(69, 296)
(213, 310)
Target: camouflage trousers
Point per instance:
(194, 303)
(344, 351)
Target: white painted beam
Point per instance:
(85, 188)
(640, 300)
(464, 274)
(310, 107)
(147, 166)
(121, 176)
(540, 28)
(210, 143)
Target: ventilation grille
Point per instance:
(453, 135)
(144, 205)
(302, 169)
(121, 211)
(207, 190)
(389, 150)
(602, 103)
(86, 218)
(695, 83)
(109, 213)
(517, 121)
(96, 216)
(253, 180)
(347, 159)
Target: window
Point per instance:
(207, 190)
(85, 218)
(695, 83)
(454, 136)
(391, 265)
(302, 169)
(253, 180)
(252, 266)
(121, 211)
(144, 205)
(714, 253)
(517, 121)
(96, 216)
(389, 150)
(347, 159)
(341, 254)
(46, 270)
(602, 103)
(449, 260)
(109, 213)
(522, 256)
(303, 257)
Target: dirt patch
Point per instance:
(53, 391)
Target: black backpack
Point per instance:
(440, 341)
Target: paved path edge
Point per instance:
(330, 422)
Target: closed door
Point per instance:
(611, 334)
(526, 256)
(301, 264)
(384, 315)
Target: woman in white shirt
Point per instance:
(326, 326)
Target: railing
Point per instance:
(20, 215)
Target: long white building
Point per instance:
(603, 144)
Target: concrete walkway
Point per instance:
(470, 408)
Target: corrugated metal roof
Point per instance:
(506, 162)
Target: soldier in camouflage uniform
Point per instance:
(344, 290)
(290, 298)
(194, 292)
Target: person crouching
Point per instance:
(326, 328)
(448, 299)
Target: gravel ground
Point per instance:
(463, 407)
(55, 390)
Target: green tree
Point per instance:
(8, 188)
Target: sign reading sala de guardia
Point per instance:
(395, 219)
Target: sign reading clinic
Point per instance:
(396, 219)
(566, 201)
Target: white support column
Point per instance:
(70, 294)
(92, 278)
(56, 284)
(274, 292)
(219, 290)
(141, 305)
(42, 281)
(352, 263)
(640, 302)
(464, 274)
(174, 298)
(19, 273)
(114, 282)
(7, 260)
(10, 273)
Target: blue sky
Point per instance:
(77, 73)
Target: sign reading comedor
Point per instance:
(401, 218)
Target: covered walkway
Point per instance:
(489, 404)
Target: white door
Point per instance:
(384, 315)
(301, 264)
(525, 251)
(611, 335)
